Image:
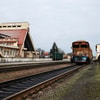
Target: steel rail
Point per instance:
(21, 88)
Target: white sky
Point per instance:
(60, 21)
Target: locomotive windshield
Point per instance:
(80, 45)
(84, 46)
(75, 46)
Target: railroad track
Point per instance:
(8, 67)
(17, 89)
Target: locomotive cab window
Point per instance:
(75, 46)
(84, 46)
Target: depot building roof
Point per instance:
(20, 31)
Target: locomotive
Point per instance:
(81, 52)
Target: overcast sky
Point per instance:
(60, 21)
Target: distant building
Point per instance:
(46, 55)
(15, 40)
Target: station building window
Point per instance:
(9, 26)
(14, 26)
(5, 53)
(18, 25)
(10, 52)
(4, 26)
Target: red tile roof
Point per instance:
(18, 33)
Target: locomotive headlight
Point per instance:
(84, 58)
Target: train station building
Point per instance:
(15, 40)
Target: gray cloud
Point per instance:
(62, 21)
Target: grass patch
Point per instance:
(97, 73)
